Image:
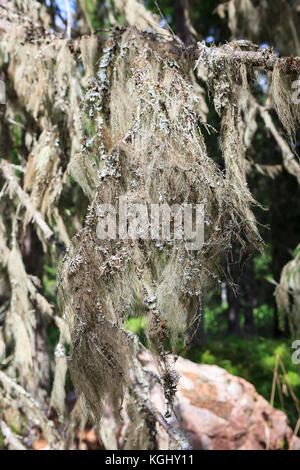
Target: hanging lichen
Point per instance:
(144, 140)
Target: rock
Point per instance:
(220, 411)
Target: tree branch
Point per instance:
(10, 438)
(34, 214)
(256, 58)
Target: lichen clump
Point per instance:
(144, 138)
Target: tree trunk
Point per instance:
(181, 24)
(248, 302)
(233, 297)
(233, 312)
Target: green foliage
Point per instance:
(215, 319)
(137, 326)
(49, 282)
(263, 262)
(49, 279)
(16, 131)
(264, 319)
(16, 135)
(92, 9)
